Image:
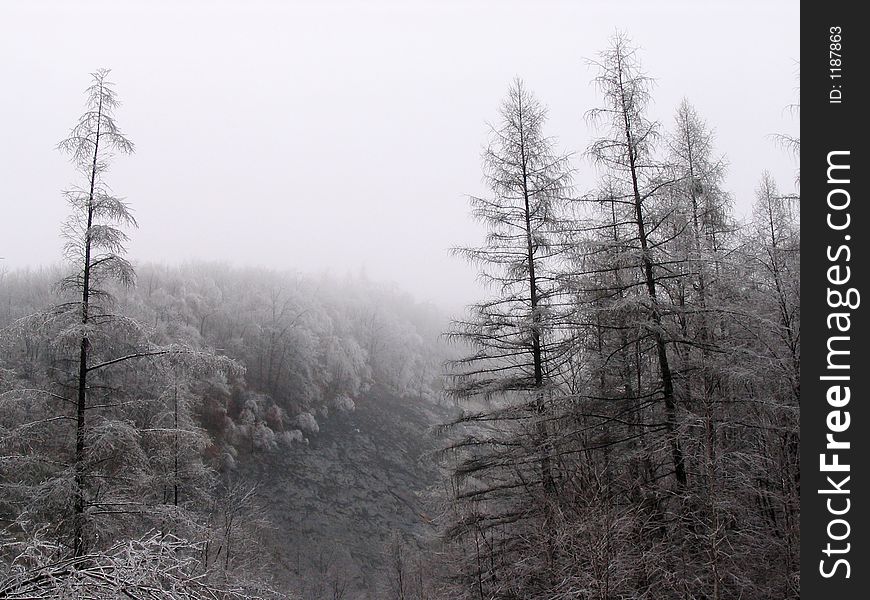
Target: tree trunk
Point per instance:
(537, 356)
(84, 350)
(649, 278)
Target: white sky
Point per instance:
(345, 135)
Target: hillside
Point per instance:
(336, 501)
(283, 421)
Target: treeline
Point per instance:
(632, 396)
(308, 344)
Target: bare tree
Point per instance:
(505, 467)
(95, 245)
(626, 150)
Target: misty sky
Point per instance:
(345, 135)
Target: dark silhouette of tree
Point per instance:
(505, 470)
(95, 246)
(626, 150)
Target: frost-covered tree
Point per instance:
(78, 453)
(94, 248)
(504, 467)
(627, 151)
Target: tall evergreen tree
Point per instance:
(505, 471)
(95, 247)
(626, 150)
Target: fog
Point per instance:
(345, 136)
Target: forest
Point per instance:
(618, 418)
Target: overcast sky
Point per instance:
(345, 135)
